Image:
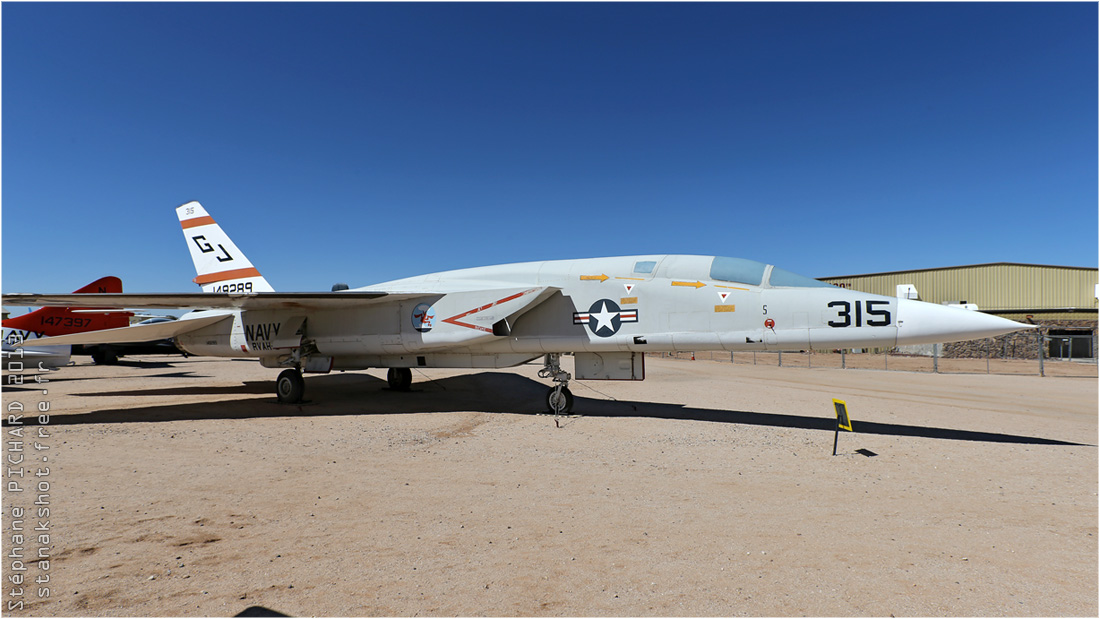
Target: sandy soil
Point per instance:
(179, 487)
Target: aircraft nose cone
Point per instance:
(928, 323)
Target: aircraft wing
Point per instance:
(476, 312)
(135, 333)
(212, 300)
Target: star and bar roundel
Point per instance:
(605, 317)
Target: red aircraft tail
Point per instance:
(64, 320)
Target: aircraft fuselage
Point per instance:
(504, 315)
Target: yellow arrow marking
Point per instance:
(695, 285)
(637, 279)
(600, 278)
(730, 287)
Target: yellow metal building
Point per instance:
(1062, 299)
(1047, 293)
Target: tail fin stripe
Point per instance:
(219, 263)
(197, 221)
(209, 278)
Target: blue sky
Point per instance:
(366, 142)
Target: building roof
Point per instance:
(952, 268)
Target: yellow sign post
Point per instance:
(842, 420)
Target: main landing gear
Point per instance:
(559, 400)
(290, 387)
(400, 379)
(104, 355)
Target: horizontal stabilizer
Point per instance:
(31, 353)
(136, 333)
(213, 300)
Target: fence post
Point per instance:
(843, 361)
(1039, 334)
(935, 358)
(781, 358)
(987, 341)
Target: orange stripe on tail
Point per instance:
(197, 221)
(210, 278)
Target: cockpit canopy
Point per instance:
(751, 272)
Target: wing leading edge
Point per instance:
(213, 300)
(489, 313)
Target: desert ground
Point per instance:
(180, 487)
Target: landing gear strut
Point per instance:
(559, 400)
(400, 379)
(290, 386)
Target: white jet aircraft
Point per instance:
(607, 312)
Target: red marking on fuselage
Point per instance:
(454, 320)
(424, 320)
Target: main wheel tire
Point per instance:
(400, 379)
(290, 387)
(104, 356)
(554, 401)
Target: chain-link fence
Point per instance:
(1061, 355)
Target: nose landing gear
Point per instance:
(559, 400)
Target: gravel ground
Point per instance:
(179, 487)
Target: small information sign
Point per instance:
(842, 420)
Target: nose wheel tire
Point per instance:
(400, 379)
(290, 387)
(559, 404)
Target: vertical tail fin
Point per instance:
(109, 284)
(65, 320)
(221, 267)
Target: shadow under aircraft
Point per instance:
(466, 393)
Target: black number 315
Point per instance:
(875, 317)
